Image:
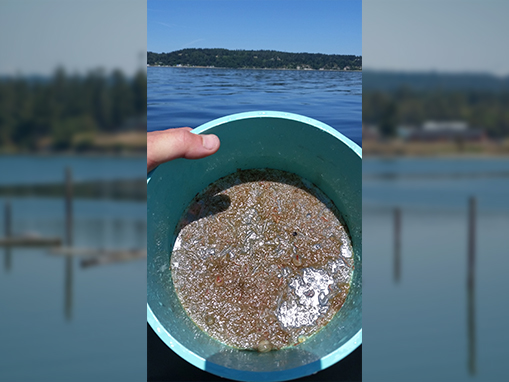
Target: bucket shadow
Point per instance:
(207, 205)
(212, 202)
(275, 365)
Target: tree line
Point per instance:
(259, 59)
(57, 109)
(483, 109)
(432, 80)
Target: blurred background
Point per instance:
(435, 178)
(72, 190)
(435, 190)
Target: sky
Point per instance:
(36, 36)
(418, 35)
(436, 35)
(313, 26)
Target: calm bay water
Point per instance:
(25, 169)
(61, 321)
(427, 326)
(192, 96)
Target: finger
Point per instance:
(163, 146)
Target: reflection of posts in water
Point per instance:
(8, 219)
(68, 287)
(8, 234)
(471, 329)
(397, 244)
(471, 242)
(140, 227)
(117, 230)
(471, 286)
(8, 258)
(68, 240)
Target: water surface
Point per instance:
(192, 96)
(427, 320)
(59, 320)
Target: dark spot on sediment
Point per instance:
(209, 320)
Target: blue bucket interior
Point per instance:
(261, 139)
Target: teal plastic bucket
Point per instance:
(261, 139)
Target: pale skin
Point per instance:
(167, 145)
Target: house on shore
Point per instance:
(444, 131)
(429, 131)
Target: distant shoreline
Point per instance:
(443, 150)
(284, 69)
(255, 59)
(130, 144)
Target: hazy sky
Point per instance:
(315, 26)
(38, 35)
(442, 35)
(452, 35)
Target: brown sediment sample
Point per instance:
(262, 260)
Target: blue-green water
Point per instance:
(25, 169)
(63, 323)
(190, 97)
(417, 329)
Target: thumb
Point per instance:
(166, 145)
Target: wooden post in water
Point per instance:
(471, 242)
(68, 287)
(8, 219)
(68, 207)
(397, 244)
(8, 233)
(471, 286)
(68, 241)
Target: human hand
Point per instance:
(166, 145)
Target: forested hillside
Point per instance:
(262, 59)
(480, 100)
(390, 81)
(54, 112)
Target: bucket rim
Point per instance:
(283, 115)
(203, 128)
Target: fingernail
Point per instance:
(209, 141)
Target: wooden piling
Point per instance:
(68, 207)
(68, 239)
(26, 240)
(8, 219)
(8, 234)
(68, 287)
(471, 242)
(471, 332)
(397, 244)
(8, 259)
